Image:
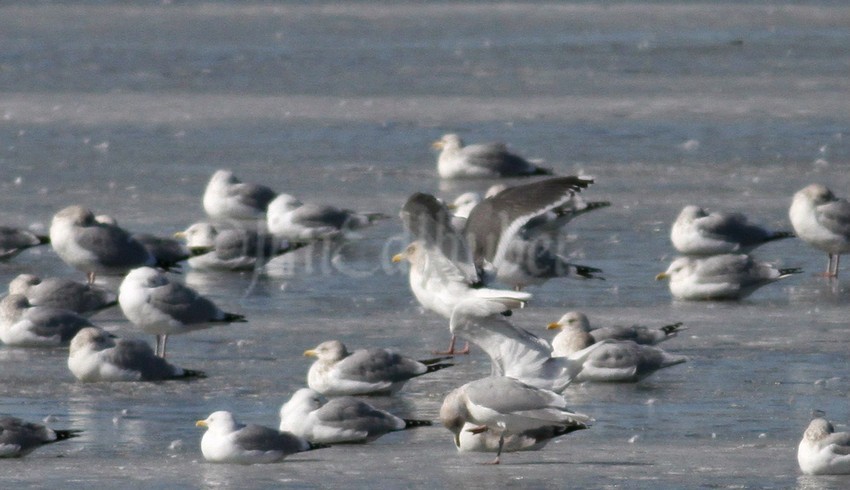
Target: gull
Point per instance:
(720, 277)
(19, 438)
(613, 361)
(480, 160)
(345, 419)
(23, 325)
(228, 198)
(637, 333)
(822, 451)
(227, 441)
(230, 249)
(508, 408)
(290, 219)
(372, 371)
(164, 250)
(94, 247)
(15, 240)
(58, 292)
(472, 439)
(159, 306)
(96, 355)
(823, 221)
(513, 351)
(442, 270)
(698, 233)
(515, 231)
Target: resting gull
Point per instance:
(94, 247)
(228, 198)
(637, 333)
(822, 451)
(23, 325)
(15, 240)
(165, 250)
(510, 409)
(823, 221)
(720, 277)
(481, 160)
(234, 249)
(344, 419)
(513, 351)
(19, 438)
(58, 292)
(227, 441)
(162, 307)
(698, 233)
(372, 371)
(290, 219)
(96, 355)
(613, 361)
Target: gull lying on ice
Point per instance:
(720, 277)
(15, 240)
(823, 221)
(227, 441)
(613, 361)
(23, 325)
(228, 198)
(510, 409)
(232, 249)
(637, 333)
(293, 220)
(159, 306)
(372, 371)
(57, 292)
(822, 451)
(96, 355)
(345, 419)
(481, 160)
(19, 438)
(698, 233)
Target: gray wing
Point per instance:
(233, 244)
(496, 157)
(164, 250)
(48, 322)
(137, 355)
(184, 304)
(508, 395)
(353, 414)
(376, 365)
(636, 333)
(835, 216)
(253, 195)
(65, 293)
(27, 435)
(428, 220)
(499, 218)
(312, 216)
(259, 438)
(113, 246)
(733, 227)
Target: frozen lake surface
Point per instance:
(730, 105)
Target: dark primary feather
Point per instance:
(253, 195)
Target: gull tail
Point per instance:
(587, 272)
(672, 329)
(672, 360)
(789, 271)
(437, 367)
(192, 374)
(779, 235)
(43, 240)
(435, 360)
(233, 318)
(312, 446)
(413, 423)
(541, 171)
(61, 435)
(560, 430)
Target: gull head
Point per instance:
(818, 429)
(677, 266)
(303, 401)
(22, 283)
(329, 351)
(411, 253)
(146, 277)
(453, 413)
(221, 421)
(571, 319)
(817, 194)
(448, 142)
(92, 339)
(12, 307)
(691, 212)
(223, 177)
(199, 235)
(75, 216)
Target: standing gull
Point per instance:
(94, 247)
(373, 371)
(822, 451)
(162, 307)
(823, 221)
(345, 419)
(23, 325)
(613, 361)
(58, 292)
(96, 355)
(228, 198)
(19, 438)
(513, 351)
(481, 160)
(230, 249)
(508, 408)
(15, 240)
(637, 333)
(290, 219)
(720, 277)
(698, 233)
(227, 441)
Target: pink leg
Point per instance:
(451, 350)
